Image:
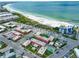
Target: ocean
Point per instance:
(61, 10)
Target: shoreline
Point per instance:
(41, 20)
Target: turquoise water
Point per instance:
(63, 11)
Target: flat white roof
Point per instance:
(27, 43)
(9, 17)
(2, 28)
(6, 14)
(42, 50)
(16, 38)
(10, 24)
(76, 52)
(25, 57)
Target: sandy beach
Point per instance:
(46, 21)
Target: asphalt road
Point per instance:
(70, 45)
(19, 49)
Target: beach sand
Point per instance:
(46, 21)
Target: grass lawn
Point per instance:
(46, 54)
(45, 35)
(2, 45)
(73, 55)
(25, 20)
(34, 37)
(55, 39)
(77, 47)
(70, 37)
(29, 47)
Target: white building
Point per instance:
(38, 33)
(10, 24)
(51, 43)
(23, 31)
(42, 50)
(13, 35)
(26, 43)
(2, 28)
(77, 33)
(76, 50)
(6, 16)
(51, 38)
(3, 14)
(15, 38)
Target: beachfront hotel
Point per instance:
(66, 30)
